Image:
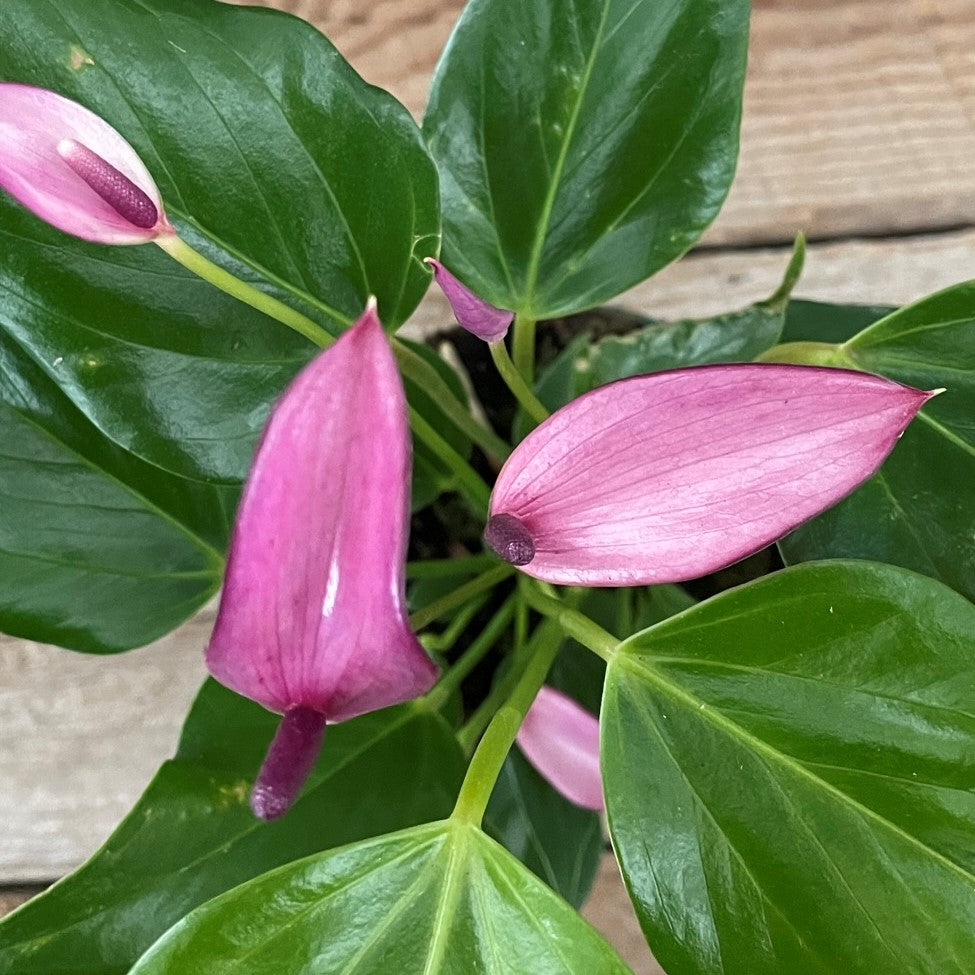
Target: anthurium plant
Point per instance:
(469, 631)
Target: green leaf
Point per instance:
(439, 898)
(737, 336)
(559, 842)
(274, 158)
(918, 510)
(99, 551)
(790, 770)
(431, 476)
(583, 145)
(192, 836)
(820, 321)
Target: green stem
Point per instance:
(493, 748)
(469, 481)
(523, 346)
(472, 656)
(442, 642)
(516, 382)
(416, 368)
(438, 568)
(203, 267)
(589, 633)
(460, 595)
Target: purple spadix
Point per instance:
(73, 170)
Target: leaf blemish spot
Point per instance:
(79, 58)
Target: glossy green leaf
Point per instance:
(583, 145)
(790, 771)
(440, 898)
(653, 346)
(918, 511)
(274, 158)
(192, 836)
(99, 551)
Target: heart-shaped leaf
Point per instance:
(273, 157)
(790, 772)
(437, 898)
(99, 551)
(918, 511)
(192, 836)
(583, 145)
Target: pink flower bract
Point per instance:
(672, 475)
(73, 170)
(561, 739)
(313, 615)
(479, 317)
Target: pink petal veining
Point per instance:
(561, 739)
(669, 476)
(479, 317)
(313, 609)
(34, 123)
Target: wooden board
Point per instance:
(859, 114)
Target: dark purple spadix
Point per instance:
(508, 538)
(289, 759)
(72, 169)
(113, 186)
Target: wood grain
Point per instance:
(859, 114)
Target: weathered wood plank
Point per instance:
(859, 117)
(82, 735)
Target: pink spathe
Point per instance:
(313, 613)
(74, 171)
(561, 739)
(474, 314)
(673, 475)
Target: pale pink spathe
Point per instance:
(669, 476)
(313, 610)
(561, 739)
(473, 313)
(39, 130)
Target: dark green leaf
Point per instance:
(99, 551)
(274, 158)
(557, 840)
(440, 898)
(653, 346)
(192, 836)
(820, 321)
(583, 145)
(431, 476)
(919, 510)
(790, 771)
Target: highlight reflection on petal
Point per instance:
(669, 476)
